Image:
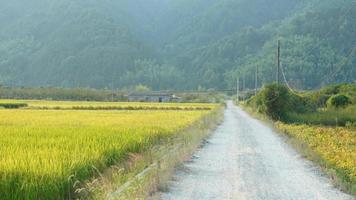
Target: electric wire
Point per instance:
(325, 37)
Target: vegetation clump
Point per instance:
(318, 108)
(277, 101)
(338, 101)
(13, 105)
(274, 100)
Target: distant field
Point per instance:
(40, 104)
(41, 149)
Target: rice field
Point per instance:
(335, 149)
(44, 152)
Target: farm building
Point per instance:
(152, 97)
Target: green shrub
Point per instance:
(321, 97)
(279, 103)
(301, 104)
(337, 101)
(274, 101)
(13, 105)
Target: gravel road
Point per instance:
(245, 159)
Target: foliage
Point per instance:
(335, 148)
(338, 100)
(60, 94)
(142, 88)
(321, 96)
(204, 97)
(276, 101)
(10, 105)
(306, 107)
(312, 54)
(48, 152)
(327, 117)
(174, 44)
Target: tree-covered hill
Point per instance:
(175, 44)
(71, 43)
(318, 47)
(317, 38)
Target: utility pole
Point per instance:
(112, 90)
(238, 88)
(256, 80)
(278, 60)
(243, 88)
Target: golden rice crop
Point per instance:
(42, 152)
(336, 147)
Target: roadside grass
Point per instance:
(46, 153)
(327, 117)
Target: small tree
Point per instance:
(338, 100)
(275, 101)
(142, 88)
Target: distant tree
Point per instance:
(142, 88)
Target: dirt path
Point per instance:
(245, 159)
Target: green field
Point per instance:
(43, 152)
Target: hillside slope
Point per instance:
(168, 44)
(69, 44)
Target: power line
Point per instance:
(322, 40)
(281, 69)
(256, 80)
(340, 66)
(285, 80)
(328, 33)
(237, 88)
(278, 60)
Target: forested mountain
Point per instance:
(175, 44)
(318, 47)
(66, 43)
